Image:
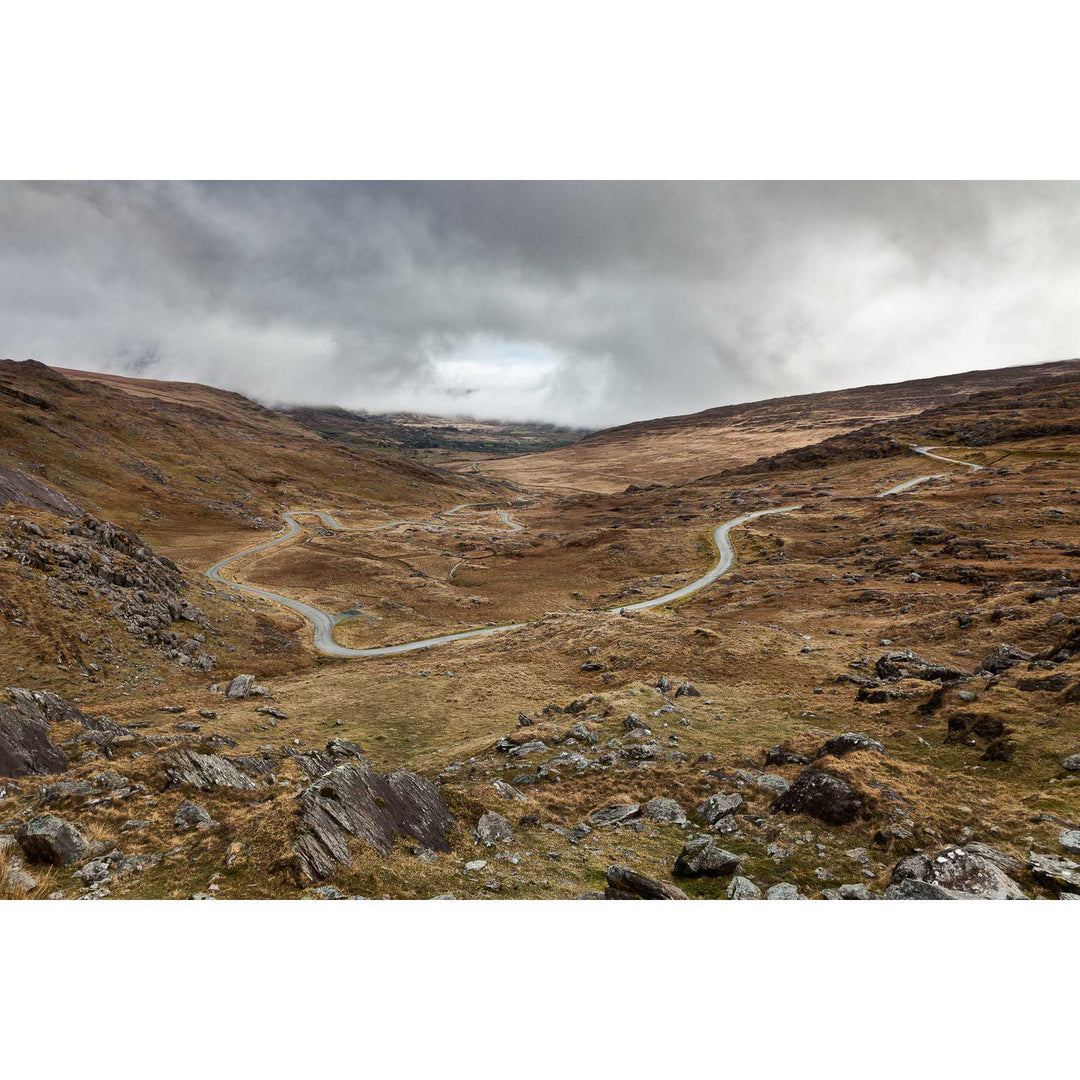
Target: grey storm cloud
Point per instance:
(582, 303)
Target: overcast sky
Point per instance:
(582, 303)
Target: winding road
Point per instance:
(324, 623)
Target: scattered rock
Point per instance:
(667, 811)
(687, 689)
(192, 815)
(783, 890)
(49, 839)
(742, 888)
(959, 870)
(701, 856)
(493, 829)
(614, 814)
(625, 884)
(848, 743)
(781, 755)
(718, 806)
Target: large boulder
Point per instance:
(49, 839)
(702, 857)
(205, 772)
(959, 870)
(626, 884)
(821, 795)
(353, 800)
(25, 746)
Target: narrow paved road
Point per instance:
(324, 623)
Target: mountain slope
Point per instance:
(677, 449)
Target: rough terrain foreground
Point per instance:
(880, 698)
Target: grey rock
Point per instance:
(1057, 872)
(49, 839)
(959, 870)
(742, 888)
(242, 686)
(783, 891)
(1005, 657)
(666, 811)
(1071, 763)
(626, 884)
(326, 892)
(726, 825)
(534, 746)
(702, 857)
(687, 689)
(1069, 839)
(913, 889)
(506, 791)
(192, 815)
(493, 829)
(353, 800)
(763, 780)
(205, 772)
(718, 806)
(855, 892)
(17, 880)
(614, 814)
(1003, 861)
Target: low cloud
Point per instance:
(588, 304)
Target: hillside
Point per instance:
(878, 698)
(433, 440)
(190, 467)
(675, 449)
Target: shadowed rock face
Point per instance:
(17, 487)
(25, 746)
(354, 800)
(44, 706)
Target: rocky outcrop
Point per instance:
(187, 768)
(353, 800)
(95, 558)
(25, 746)
(22, 490)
